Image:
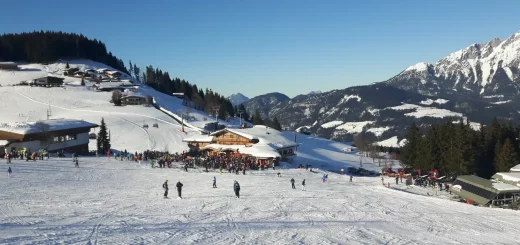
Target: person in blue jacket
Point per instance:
(9, 172)
(236, 187)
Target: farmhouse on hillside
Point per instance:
(47, 81)
(9, 66)
(265, 144)
(134, 98)
(51, 135)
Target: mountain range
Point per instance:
(237, 99)
(473, 84)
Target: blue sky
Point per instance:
(256, 47)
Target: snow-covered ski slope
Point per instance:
(112, 202)
(21, 103)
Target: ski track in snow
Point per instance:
(113, 202)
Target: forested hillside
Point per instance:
(50, 46)
(456, 148)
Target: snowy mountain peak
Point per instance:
(481, 69)
(315, 92)
(237, 99)
(419, 67)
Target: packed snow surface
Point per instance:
(112, 202)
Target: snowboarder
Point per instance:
(179, 189)
(236, 187)
(9, 172)
(303, 185)
(292, 183)
(350, 178)
(165, 187)
(214, 182)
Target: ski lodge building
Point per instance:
(51, 135)
(484, 192)
(265, 144)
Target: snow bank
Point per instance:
(332, 124)
(378, 131)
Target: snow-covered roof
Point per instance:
(102, 70)
(7, 63)
(113, 72)
(3, 142)
(515, 168)
(256, 150)
(198, 138)
(505, 187)
(54, 125)
(263, 134)
(513, 177)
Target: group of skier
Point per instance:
(179, 185)
(179, 189)
(294, 187)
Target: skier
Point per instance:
(323, 179)
(165, 187)
(179, 189)
(77, 163)
(186, 167)
(350, 178)
(292, 183)
(397, 180)
(9, 172)
(236, 187)
(382, 180)
(279, 174)
(214, 182)
(303, 185)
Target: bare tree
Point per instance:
(117, 97)
(359, 141)
(43, 130)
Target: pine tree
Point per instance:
(257, 120)
(410, 151)
(276, 124)
(505, 156)
(103, 141)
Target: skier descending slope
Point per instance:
(179, 189)
(236, 187)
(303, 185)
(165, 187)
(292, 183)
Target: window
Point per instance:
(71, 137)
(56, 139)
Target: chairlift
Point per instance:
(92, 136)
